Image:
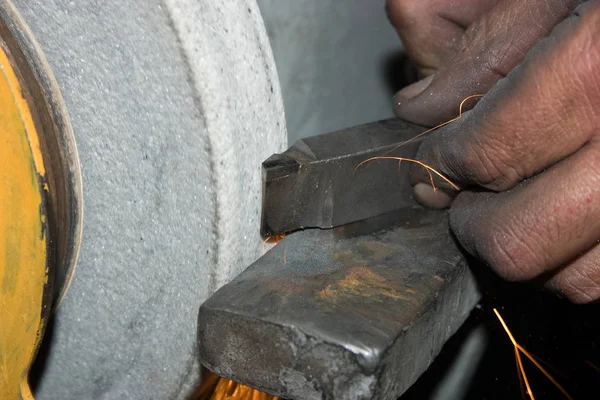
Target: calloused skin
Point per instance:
(527, 155)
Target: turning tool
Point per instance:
(354, 312)
(316, 183)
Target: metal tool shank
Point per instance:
(355, 312)
(316, 183)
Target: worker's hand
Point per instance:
(528, 158)
(464, 47)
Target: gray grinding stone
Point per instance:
(174, 105)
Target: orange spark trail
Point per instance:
(519, 349)
(460, 113)
(427, 167)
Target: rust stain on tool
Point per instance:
(361, 282)
(358, 311)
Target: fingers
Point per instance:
(579, 281)
(431, 30)
(489, 49)
(432, 197)
(537, 226)
(544, 111)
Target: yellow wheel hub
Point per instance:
(24, 261)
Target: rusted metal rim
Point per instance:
(64, 197)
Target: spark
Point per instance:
(422, 164)
(274, 238)
(229, 390)
(593, 366)
(460, 114)
(521, 371)
(427, 167)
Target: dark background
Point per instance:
(563, 336)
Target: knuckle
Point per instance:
(486, 159)
(508, 254)
(579, 287)
(587, 9)
(585, 54)
(451, 159)
(401, 12)
(587, 67)
(491, 57)
(578, 64)
(474, 36)
(499, 60)
(577, 295)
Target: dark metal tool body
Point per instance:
(354, 312)
(315, 184)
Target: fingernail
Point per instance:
(430, 197)
(411, 91)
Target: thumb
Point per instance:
(490, 48)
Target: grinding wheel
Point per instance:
(173, 106)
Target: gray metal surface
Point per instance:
(174, 105)
(355, 312)
(318, 181)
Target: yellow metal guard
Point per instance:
(24, 271)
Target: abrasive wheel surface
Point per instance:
(174, 105)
